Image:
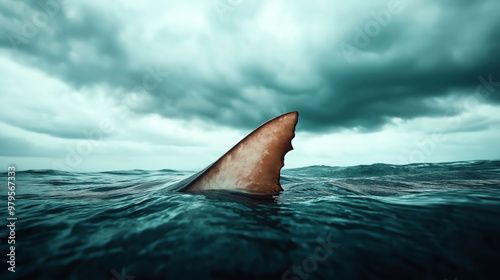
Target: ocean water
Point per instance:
(418, 221)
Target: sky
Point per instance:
(111, 85)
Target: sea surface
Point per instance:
(417, 221)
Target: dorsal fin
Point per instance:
(253, 165)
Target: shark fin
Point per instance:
(253, 165)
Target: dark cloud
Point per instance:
(410, 64)
(65, 46)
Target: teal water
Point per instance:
(420, 221)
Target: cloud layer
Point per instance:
(345, 66)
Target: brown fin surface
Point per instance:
(253, 165)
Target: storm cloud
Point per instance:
(344, 65)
